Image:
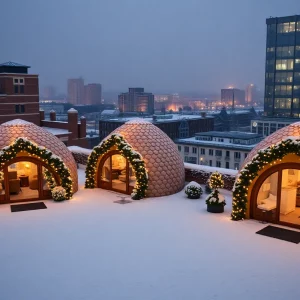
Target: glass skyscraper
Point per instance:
(282, 80)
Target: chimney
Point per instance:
(52, 115)
(42, 114)
(82, 127)
(73, 123)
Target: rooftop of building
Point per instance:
(274, 119)
(221, 145)
(13, 64)
(273, 20)
(230, 134)
(174, 118)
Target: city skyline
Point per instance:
(188, 46)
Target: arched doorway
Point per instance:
(116, 173)
(275, 196)
(23, 180)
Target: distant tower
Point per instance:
(136, 100)
(93, 94)
(76, 91)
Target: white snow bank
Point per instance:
(77, 149)
(159, 248)
(210, 169)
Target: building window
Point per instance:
(18, 82)
(227, 164)
(237, 155)
(210, 163)
(298, 29)
(245, 155)
(211, 152)
(282, 103)
(19, 108)
(202, 151)
(220, 140)
(284, 77)
(284, 64)
(186, 149)
(218, 152)
(194, 150)
(286, 27)
(283, 90)
(285, 52)
(236, 166)
(179, 148)
(227, 153)
(218, 164)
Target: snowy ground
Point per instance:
(166, 248)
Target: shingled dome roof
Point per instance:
(284, 133)
(14, 129)
(162, 159)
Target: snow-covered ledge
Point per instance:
(200, 174)
(80, 154)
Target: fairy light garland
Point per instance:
(127, 151)
(269, 156)
(33, 150)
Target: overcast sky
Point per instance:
(162, 45)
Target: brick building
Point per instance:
(175, 126)
(19, 99)
(19, 93)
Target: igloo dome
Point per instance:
(284, 133)
(14, 129)
(162, 160)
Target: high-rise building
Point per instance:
(76, 91)
(232, 97)
(92, 94)
(136, 100)
(251, 95)
(49, 92)
(19, 93)
(282, 77)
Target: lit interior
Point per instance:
(290, 195)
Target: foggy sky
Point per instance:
(162, 45)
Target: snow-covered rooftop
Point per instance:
(225, 145)
(57, 131)
(166, 248)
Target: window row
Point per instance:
(19, 81)
(284, 64)
(288, 27)
(283, 77)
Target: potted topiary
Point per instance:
(215, 181)
(215, 202)
(58, 193)
(193, 190)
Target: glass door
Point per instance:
(266, 202)
(290, 197)
(23, 181)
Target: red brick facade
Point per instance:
(19, 100)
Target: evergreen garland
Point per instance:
(52, 160)
(269, 156)
(126, 150)
(50, 180)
